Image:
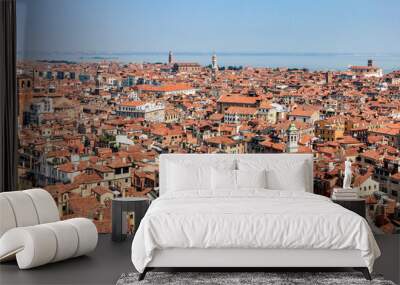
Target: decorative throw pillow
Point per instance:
(291, 177)
(251, 178)
(188, 177)
(223, 179)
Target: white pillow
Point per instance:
(287, 174)
(188, 177)
(223, 179)
(251, 178)
(278, 178)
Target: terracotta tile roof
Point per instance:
(60, 188)
(302, 112)
(371, 154)
(387, 131)
(360, 179)
(164, 88)
(241, 110)
(87, 178)
(102, 168)
(220, 140)
(305, 139)
(164, 131)
(118, 163)
(104, 153)
(238, 99)
(348, 140)
(216, 117)
(132, 103)
(304, 149)
(327, 150)
(374, 139)
(145, 174)
(58, 153)
(71, 167)
(351, 152)
(84, 206)
(271, 145)
(285, 125)
(100, 190)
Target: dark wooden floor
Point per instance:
(103, 266)
(111, 259)
(389, 263)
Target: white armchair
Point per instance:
(31, 230)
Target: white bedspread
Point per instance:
(250, 219)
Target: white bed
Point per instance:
(198, 224)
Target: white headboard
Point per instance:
(210, 159)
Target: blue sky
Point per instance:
(371, 26)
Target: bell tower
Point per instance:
(170, 57)
(98, 82)
(214, 67)
(293, 138)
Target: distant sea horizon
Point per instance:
(314, 61)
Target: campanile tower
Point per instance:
(170, 59)
(214, 67)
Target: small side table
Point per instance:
(120, 208)
(356, 205)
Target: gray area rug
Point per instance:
(236, 278)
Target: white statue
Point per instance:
(347, 175)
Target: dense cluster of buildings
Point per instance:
(89, 132)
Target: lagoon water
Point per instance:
(312, 61)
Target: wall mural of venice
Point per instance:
(101, 96)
